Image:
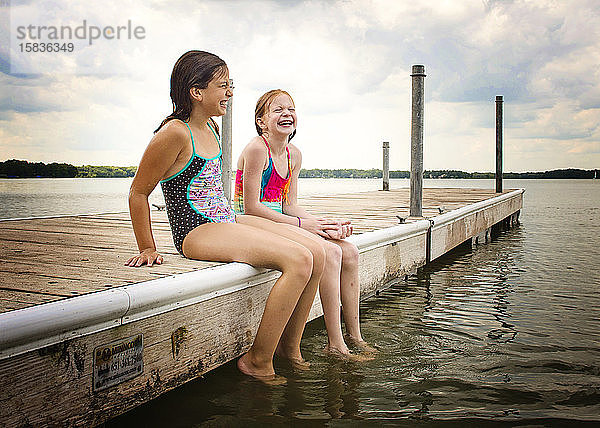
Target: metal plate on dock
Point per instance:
(118, 361)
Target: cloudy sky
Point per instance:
(346, 63)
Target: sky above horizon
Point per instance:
(347, 65)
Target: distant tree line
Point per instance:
(341, 173)
(557, 173)
(23, 169)
(445, 173)
(89, 171)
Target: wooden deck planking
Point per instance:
(375, 210)
(50, 259)
(12, 300)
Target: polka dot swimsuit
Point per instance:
(194, 196)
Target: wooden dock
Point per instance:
(71, 313)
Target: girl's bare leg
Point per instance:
(242, 243)
(329, 291)
(330, 288)
(289, 344)
(350, 291)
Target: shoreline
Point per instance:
(24, 169)
(507, 176)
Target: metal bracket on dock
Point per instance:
(428, 244)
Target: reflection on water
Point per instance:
(505, 334)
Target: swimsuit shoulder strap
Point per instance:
(267, 144)
(192, 137)
(287, 148)
(214, 132)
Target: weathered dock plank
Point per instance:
(74, 255)
(18, 299)
(191, 321)
(376, 210)
(48, 259)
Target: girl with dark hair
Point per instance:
(267, 186)
(185, 157)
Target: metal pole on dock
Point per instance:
(416, 141)
(499, 102)
(226, 172)
(386, 165)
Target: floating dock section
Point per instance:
(84, 359)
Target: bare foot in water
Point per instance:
(296, 360)
(297, 363)
(361, 345)
(348, 356)
(245, 366)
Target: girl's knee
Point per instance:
(319, 257)
(334, 252)
(321, 254)
(300, 262)
(349, 253)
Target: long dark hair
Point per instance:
(194, 69)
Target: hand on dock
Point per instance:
(149, 256)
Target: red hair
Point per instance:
(263, 104)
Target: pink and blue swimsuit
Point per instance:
(273, 187)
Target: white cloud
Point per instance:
(347, 65)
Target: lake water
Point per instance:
(35, 197)
(505, 334)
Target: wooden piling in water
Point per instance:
(226, 124)
(386, 165)
(416, 142)
(499, 102)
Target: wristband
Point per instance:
(299, 222)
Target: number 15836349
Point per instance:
(46, 47)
